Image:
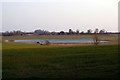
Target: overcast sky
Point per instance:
(57, 15)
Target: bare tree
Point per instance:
(96, 37)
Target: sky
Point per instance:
(58, 15)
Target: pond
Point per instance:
(63, 41)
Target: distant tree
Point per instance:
(102, 31)
(41, 32)
(71, 31)
(6, 33)
(53, 33)
(96, 37)
(77, 31)
(89, 31)
(82, 32)
(96, 30)
(62, 32)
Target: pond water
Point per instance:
(63, 41)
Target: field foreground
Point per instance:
(21, 60)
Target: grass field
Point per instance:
(22, 60)
(81, 36)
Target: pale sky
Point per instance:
(59, 15)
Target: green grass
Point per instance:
(22, 60)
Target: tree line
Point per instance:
(45, 32)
